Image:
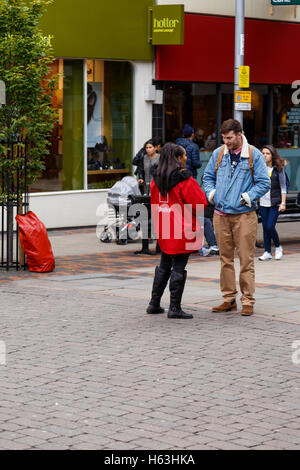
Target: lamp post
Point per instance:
(239, 50)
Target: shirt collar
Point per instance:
(245, 148)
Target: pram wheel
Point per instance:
(105, 236)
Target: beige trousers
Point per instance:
(237, 231)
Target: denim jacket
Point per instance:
(225, 192)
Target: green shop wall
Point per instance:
(104, 29)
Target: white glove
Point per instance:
(247, 200)
(211, 196)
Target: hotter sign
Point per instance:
(167, 24)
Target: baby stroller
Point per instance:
(120, 198)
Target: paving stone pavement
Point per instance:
(86, 367)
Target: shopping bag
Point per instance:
(35, 242)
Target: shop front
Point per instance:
(104, 62)
(197, 79)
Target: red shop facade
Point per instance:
(197, 79)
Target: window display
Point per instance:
(96, 137)
(109, 122)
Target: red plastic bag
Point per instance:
(35, 243)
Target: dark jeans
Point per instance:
(269, 216)
(178, 262)
(209, 232)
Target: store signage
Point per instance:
(167, 24)
(244, 76)
(293, 116)
(285, 2)
(2, 93)
(242, 101)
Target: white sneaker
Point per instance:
(266, 256)
(278, 253)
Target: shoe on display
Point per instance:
(278, 253)
(265, 257)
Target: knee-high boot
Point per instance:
(177, 283)
(159, 284)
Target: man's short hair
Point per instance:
(187, 130)
(231, 125)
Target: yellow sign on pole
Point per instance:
(243, 100)
(244, 76)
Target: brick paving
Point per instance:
(86, 368)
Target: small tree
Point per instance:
(25, 58)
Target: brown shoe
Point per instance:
(247, 310)
(225, 307)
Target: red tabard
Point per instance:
(176, 217)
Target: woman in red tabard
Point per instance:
(176, 201)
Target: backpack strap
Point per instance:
(251, 162)
(220, 156)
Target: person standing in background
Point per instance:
(199, 138)
(193, 161)
(273, 202)
(145, 160)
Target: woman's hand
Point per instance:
(282, 207)
(140, 181)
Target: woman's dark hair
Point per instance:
(277, 161)
(151, 142)
(168, 163)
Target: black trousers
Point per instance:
(177, 262)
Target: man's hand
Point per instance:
(211, 197)
(245, 200)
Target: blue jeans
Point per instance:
(269, 216)
(209, 232)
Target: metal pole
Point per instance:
(270, 115)
(239, 49)
(219, 114)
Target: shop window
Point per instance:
(176, 103)
(286, 120)
(50, 178)
(64, 163)
(109, 122)
(255, 121)
(96, 153)
(193, 104)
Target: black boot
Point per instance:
(159, 284)
(177, 282)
